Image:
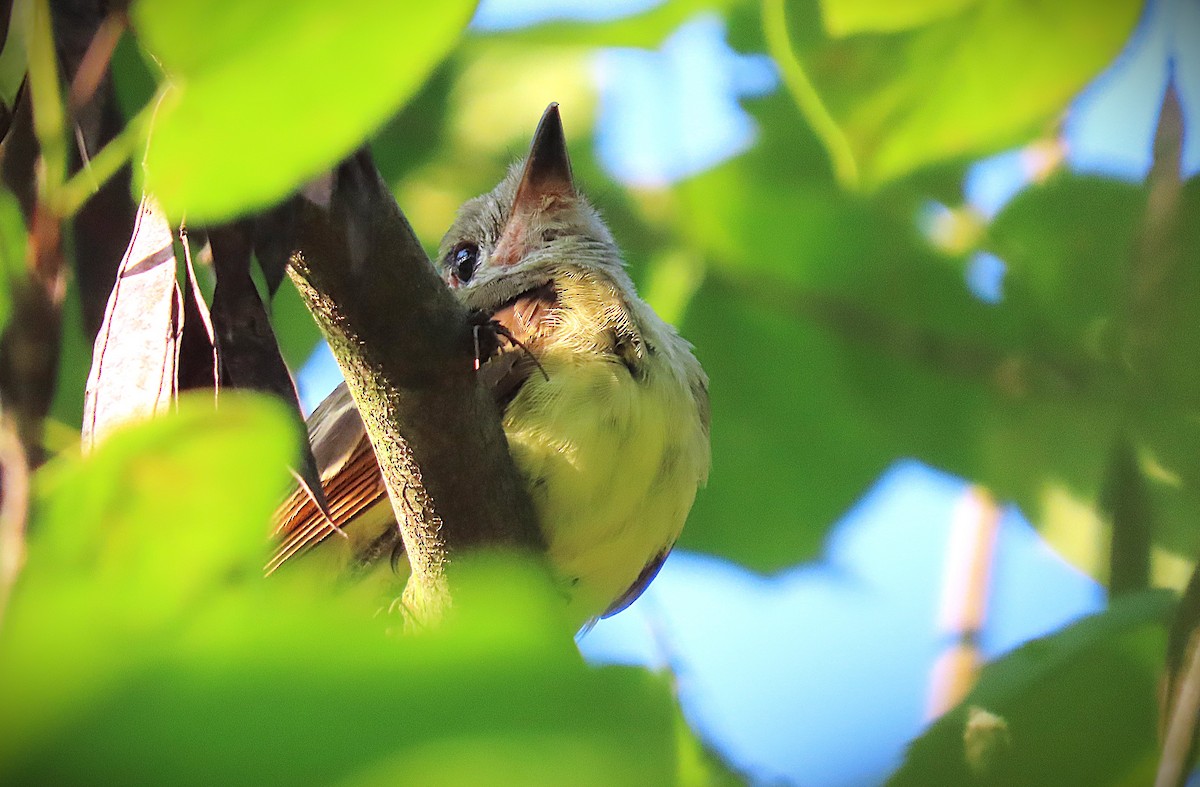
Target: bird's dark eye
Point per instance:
(463, 259)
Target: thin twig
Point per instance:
(94, 64)
(969, 556)
(1175, 764)
(14, 510)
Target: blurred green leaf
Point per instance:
(14, 56)
(12, 250)
(1079, 706)
(848, 17)
(260, 96)
(124, 541)
(74, 361)
(964, 85)
(144, 645)
(788, 458)
(1066, 246)
(367, 712)
(645, 30)
(882, 352)
(172, 504)
(1124, 336)
(283, 681)
(133, 82)
(836, 341)
(812, 399)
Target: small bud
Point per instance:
(985, 740)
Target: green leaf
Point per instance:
(813, 399)
(261, 96)
(294, 327)
(953, 87)
(882, 354)
(1079, 706)
(646, 30)
(788, 457)
(834, 347)
(846, 343)
(143, 643)
(126, 541)
(1123, 329)
(12, 250)
(284, 681)
(172, 504)
(1066, 245)
(847, 17)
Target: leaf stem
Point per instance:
(779, 46)
(102, 166)
(49, 116)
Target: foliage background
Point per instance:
(822, 276)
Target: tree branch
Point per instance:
(406, 348)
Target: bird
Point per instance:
(604, 405)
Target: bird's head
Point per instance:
(514, 238)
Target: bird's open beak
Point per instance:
(545, 187)
(548, 168)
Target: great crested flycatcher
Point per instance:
(604, 405)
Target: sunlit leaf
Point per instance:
(144, 644)
(170, 503)
(970, 83)
(645, 30)
(275, 681)
(12, 250)
(127, 542)
(848, 17)
(262, 96)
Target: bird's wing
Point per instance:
(349, 471)
(349, 474)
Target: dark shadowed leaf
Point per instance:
(247, 353)
(198, 367)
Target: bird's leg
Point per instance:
(486, 334)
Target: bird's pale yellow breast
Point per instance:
(613, 450)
